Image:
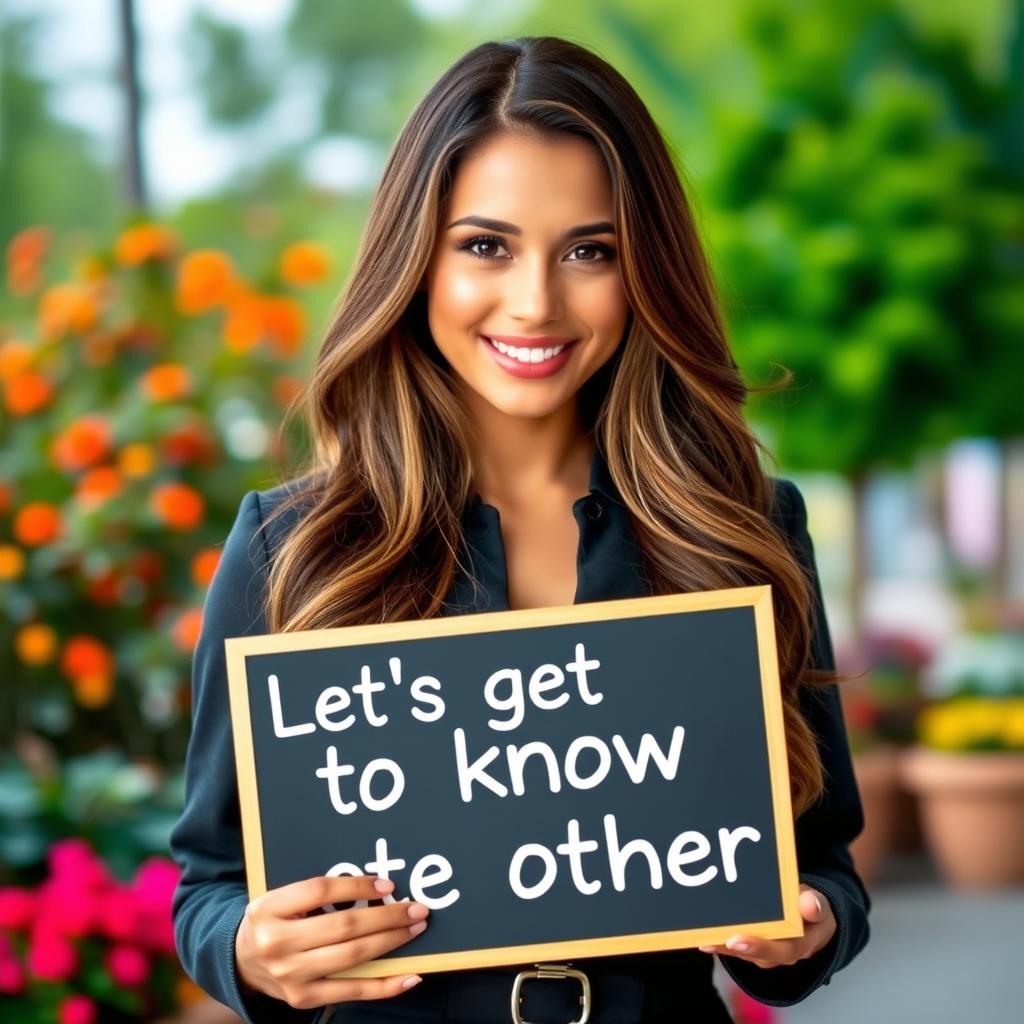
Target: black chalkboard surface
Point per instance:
(575, 781)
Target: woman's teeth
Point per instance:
(526, 355)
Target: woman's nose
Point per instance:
(534, 294)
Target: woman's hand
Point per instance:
(284, 953)
(820, 926)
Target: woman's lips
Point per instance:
(544, 368)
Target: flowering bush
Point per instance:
(969, 723)
(140, 390)
(83, 947)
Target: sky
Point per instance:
(184, 156)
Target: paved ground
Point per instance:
(935, 957)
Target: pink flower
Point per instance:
(76, 1009)
(154, 888)
(74, 861)
(51, 957)
(128, 966)
(17, 907)
(67, 907)
(12, 976)
(118, 914)
(155, 882)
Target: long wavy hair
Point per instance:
(387, 478)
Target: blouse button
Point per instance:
(594, 510)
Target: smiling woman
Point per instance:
(526, 398)
(494, 297)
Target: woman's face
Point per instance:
(526, 260)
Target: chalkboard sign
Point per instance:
(562, 782)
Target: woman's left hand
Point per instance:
(819, 927)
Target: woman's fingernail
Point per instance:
(415, 929)
(817, 903)
(413, 979)
(739, 947)
(384, 885)
(417, 910)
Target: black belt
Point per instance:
(550, 993)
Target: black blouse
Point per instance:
(206, 841)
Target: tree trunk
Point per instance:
(133, 175)
(858, 566)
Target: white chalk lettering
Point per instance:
(729, 840)
(636, 768)
(515, 871)
(430, 871)
(282, 731)
(416, 691)
(470, 773)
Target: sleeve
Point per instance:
(825, 830)
(206, 841)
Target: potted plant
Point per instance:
(968, 771)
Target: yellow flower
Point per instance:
(12, 562)
(35, 644)
(943, 728)
(1013, 725)
(136, 460)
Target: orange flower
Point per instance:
(136, 460)
(35, 644)
(37, 523)
(27, 392)
(97, 485)
(304, 263)
(284, 321)
(84, 655)
(206, 279)
(25, 253)
(166, 382)
(204, 565)
(82, 443)
(243, 326)
(178, 506)
(185, 632)
(93, 691)
(15, 357)
(188, 993)
(67, 307)
(12, 562)
(143, 242)
(286, 389)
(99, 348)
(30, 244)
(189, 444)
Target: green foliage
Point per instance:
(868, 236)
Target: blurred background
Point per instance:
(183, 189)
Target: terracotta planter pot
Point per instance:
(878, 780)
(972, 810)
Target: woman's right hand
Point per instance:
(284, 953)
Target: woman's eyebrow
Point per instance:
(601, 227)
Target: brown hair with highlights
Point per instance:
(387, 479)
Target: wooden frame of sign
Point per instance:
(780, 881)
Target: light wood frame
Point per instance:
(758, 598)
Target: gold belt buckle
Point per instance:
(552, 971)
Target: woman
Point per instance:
(525, 399)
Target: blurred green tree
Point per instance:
(872, 236)
(49, 172)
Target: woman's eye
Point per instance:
(602, 250)
(485, 241)
(483, 248)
